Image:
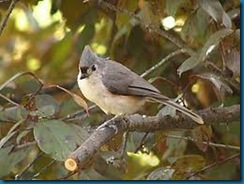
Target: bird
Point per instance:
(118, 90)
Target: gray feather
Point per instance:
(122, 81)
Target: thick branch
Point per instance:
(87, 150)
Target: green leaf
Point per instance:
(175, 145)
(216, 11)
(30, 86)
(211, 43)
(46, 105)
(6, 138)
(188, 64)
(16, 113)
(195, 28)
(8, 159)
(58, 139)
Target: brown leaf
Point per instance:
(80, 101)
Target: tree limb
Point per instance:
(81, 156)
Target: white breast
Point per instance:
(94, 90)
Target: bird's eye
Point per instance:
(93, 68)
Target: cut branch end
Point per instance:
(70, 164)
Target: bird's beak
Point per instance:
(83, 76)
(83, 73)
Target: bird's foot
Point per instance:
(110, 124)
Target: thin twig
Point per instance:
(213, 165)
(141, 143)
(20, 175)
(7, 121)
(172, 54)
(9, 100)
(5, 19)
(25, 145)
(204, 142)
(41, 170)
(78, 113)
(124, 143)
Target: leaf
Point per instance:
(30, 86)
(195, 28)
(220, 87)
(188, 64)
(175, 145)
(216, 11)
(208, 47)
(46, 105)
(161, 173)
(213, 41)
(202, 134)
(80, 133)
(6, 138)
(8, 159)
(16, 113)
(4, 152)
(58, 139)
(233, 62)
(17, 76)
(75, 97)
(10, 134)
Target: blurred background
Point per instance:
(196, 44)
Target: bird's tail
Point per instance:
(189, 113)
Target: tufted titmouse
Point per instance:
(118, 90)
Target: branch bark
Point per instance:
(84, 154)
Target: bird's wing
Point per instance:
(122, 81)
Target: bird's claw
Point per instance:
(108, 124)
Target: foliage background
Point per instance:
(46, 37)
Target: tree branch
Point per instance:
(226, 146)
(5, 19)
(81, 156)
(172, 54)
(214, 165)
